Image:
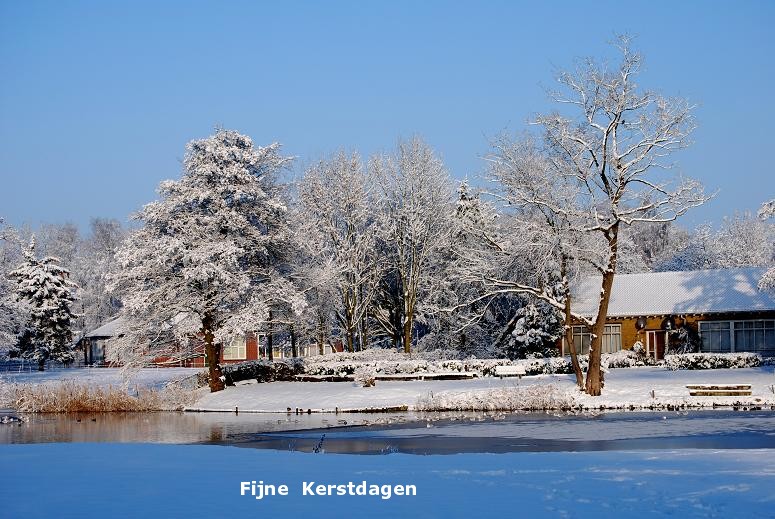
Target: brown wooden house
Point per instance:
(724, 308)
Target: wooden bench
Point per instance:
(449, 375)
(719, 390)
(510, 371)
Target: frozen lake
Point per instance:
(688, 464)
(411, 433)
(83, 480)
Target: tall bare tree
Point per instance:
(416, 207)
(610, 145)
(338, 217)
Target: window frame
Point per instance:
(582, 339)
(232, 351)
(741, 335)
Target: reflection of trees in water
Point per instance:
(160, 427)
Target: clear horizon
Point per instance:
(99, 99)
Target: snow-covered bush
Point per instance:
(366, 376)
(712, 361)
(262, 371)
(519, 398)
(627, 359)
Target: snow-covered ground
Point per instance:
(624, 388)
(141, 480)
(148, 377)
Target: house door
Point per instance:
(655, 344)
(97, 353)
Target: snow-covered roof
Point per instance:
(106, 330)
(688, 292)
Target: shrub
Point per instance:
(712, 360)
(366, 376)
(627, 359)
(262, 371)
(518, 398)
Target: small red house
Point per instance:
(251, 347)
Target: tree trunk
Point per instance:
(321, 335)
(574, 358)
(212, 355)
(408, 335)
(350, 343)
(365, 331)
(41, 364)
(294, 349)
(594, 373)
(269, 342)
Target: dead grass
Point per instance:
(72, 397)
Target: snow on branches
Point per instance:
(47, 295)
(211, 249)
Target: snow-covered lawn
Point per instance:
(141, 480)
(148, 377)
(624, 388)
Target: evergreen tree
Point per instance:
(46, 292)
(210, 260)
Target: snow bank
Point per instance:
(635, 388)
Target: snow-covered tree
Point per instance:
(12, 312)
(455, 320)
(741, 241)
(416, 209)
(95, 260)
(209, 260)
(610, 145)
(744, 241)
(47, 294)
(537, 328)
(62, 241)
(615, 142)
(543, 248)
(767, 282)
(339, 225)
(697, 252)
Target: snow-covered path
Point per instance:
(624, 388)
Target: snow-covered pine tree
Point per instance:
(537, 329)
(47, 294)
(208, 261)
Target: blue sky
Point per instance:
(98, 99)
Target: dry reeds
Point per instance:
(73, 397)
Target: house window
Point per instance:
(756, 336)
(716, 336)
(236, 350)
(612, 339)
